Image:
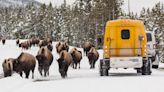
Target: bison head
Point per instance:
(41, 58)
(16, 65)
(7, 67)
(62, 67)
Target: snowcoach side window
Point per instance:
(125, 34)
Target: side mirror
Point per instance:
(99, 40)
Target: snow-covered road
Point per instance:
(80, 80)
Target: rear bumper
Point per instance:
(126, 62)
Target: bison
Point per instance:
(25, 45)
(45, 59)
(49, 40)
(24, 63)
(34, 41)
(77, 56)
(43, 43)
(64, 61)
(66, 46)
(61, 46)
(58, 47)
(17, 42)
(7, 67)
(87, 46)
(50, 46)
(3, 41)
(93, 56)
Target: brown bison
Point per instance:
(66, 46)
(25, 45)
(87, 46)
(93, 56)
(17, 42)
(7, 67)
(61, 46)
(24, 63)
(58, 47)
(43, 43)
(49, 40)
(45, 59)
(3, 41)
(77, 56)
(64, 61)
(34, 41)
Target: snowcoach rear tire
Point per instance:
(155, 66)
(146, 69)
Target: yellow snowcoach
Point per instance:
(125, 47)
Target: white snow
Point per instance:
(80, 80)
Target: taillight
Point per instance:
(106, 49)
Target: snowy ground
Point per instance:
(80, 80)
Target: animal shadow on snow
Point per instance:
(50, 78)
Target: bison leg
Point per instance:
(94, 64)
(10, 73)
(5, 74)
(86, 53)
(79, 65)
(75, 65)
(46, 71)
(21, 74)
(66, 69)
(40, 70)
(90, 62)
(27, 74)
(72, 65)
(33, 74)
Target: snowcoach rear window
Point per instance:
(125, 34)
(149, 37)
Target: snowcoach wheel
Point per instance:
(139, 70)
(105, 72)
(155, 66)
(100, 69)
(146, 69)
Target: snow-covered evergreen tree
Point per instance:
(153, 19)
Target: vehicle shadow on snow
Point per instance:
(124, 74)
(161, 68)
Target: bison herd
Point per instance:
(26, 62)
